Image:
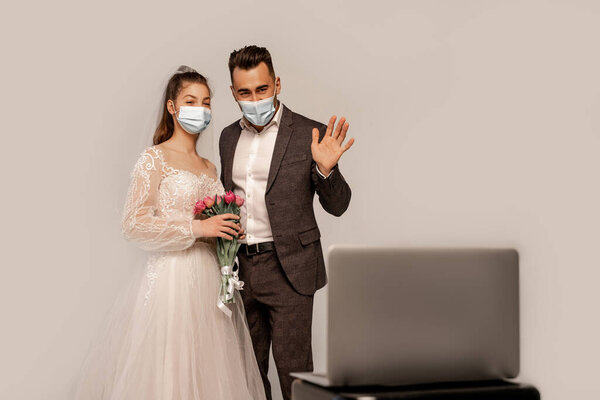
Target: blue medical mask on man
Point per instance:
(193, 119)
(259, 112)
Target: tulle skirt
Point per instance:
(165, 338)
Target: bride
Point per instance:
(165, 338)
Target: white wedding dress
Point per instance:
(164, 337)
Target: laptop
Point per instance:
(402, 316)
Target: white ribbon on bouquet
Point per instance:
(233, 283)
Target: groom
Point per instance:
(277, 160)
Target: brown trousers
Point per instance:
(276, 314)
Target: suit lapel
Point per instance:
(283, 137)
(232, 141)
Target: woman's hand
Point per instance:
(241, 233)
(217, 226)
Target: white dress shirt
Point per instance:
(251, 164)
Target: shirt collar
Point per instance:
(276, 120)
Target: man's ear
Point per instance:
(277, 85)
(232, 92)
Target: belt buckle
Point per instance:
(248, 253)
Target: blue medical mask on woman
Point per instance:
(193, 119)
(259, 112)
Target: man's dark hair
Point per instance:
(249, 57)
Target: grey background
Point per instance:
(477, 120)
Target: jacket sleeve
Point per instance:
(334, 193)
(221, 146)
(141, 223)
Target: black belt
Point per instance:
(257, 248)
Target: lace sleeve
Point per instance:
(140, 224)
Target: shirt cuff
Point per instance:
(320, 173)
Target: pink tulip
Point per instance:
(229, 197)
(218, 199)
(208, 201)
(199, 207)
(239, 201)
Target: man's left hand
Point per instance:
(328, 151)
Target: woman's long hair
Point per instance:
(184, 74)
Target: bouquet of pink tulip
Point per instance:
(226, 249)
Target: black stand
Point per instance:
(486, 390)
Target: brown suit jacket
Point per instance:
(291, 186)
